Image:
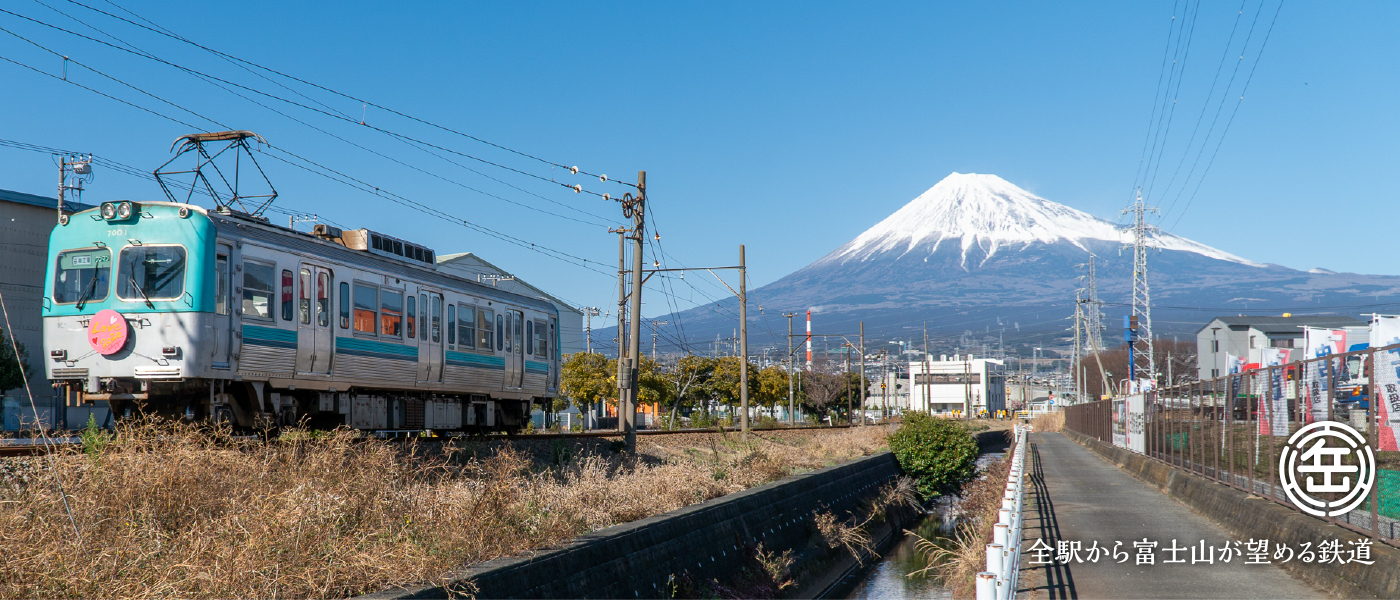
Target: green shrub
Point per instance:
(940, 454)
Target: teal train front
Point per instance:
(173, 309)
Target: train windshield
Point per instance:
(82, 275)
(151, 272)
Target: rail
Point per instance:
(998, 582)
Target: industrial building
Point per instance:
(946, 384)
(25, 223)
(1224, 338)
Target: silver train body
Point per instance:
(231, 318)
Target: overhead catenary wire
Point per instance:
(165, 32)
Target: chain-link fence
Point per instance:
(1235, 429)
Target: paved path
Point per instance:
(1078, 496)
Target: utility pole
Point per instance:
(884, 384)
(862, 372)
(588, 313)
(967, 386)
(635, 208)
(743, 343)
(622, 375)
(850, 416)
(789, 369)
(653, 336)
(928, 379)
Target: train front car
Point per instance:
(129, 306)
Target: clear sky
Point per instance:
(789, 127)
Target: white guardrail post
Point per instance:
(998, 582)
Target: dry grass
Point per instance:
(1046, 423)
(176, 511)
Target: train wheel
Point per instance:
(224, 418)
(288, 417)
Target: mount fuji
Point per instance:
(975, 255)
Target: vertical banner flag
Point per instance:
(1385, 331)
(1320, 343)
(1274, 421)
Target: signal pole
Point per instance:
(789, 369)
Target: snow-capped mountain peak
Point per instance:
(990, 213)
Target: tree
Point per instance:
(13, 371)
(1181, 354)
(824, 391)
(689, 375)
(940, 454)
(772, 387)
(588, 378)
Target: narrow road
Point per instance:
(1079, 497)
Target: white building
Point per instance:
(949, 382)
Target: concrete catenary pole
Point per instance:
(621, 325)
(789, 369)
(862, 372)
(743, 346)
(634, 340)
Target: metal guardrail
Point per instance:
(998, 582)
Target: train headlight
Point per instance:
(109, 210)
(123, 210)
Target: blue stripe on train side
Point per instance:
(269, 336)
(480, 361)
(536, 367)
(374, 349)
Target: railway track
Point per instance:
(34, 449)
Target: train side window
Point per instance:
(344, 305)
(437, 318)
(451, 324)
(484, 318)
(541, 340)
(530, 337)
(412, 317)
(257, 289)
(466, 326)
(500, 332)
(423, 324)
(391, 313)
(304, 300)
(221, 288)
(323, 299)
(287, 306)
(366, 305)
(516, 317)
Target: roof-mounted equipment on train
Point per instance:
(377, 243)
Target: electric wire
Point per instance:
(162, 31)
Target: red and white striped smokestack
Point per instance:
(809, 339)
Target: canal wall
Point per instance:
(1251, 517)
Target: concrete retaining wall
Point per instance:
(1253, 517)
(636, 560)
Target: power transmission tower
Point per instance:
(1142, 300)
(1092, 315)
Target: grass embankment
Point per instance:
(178, 511)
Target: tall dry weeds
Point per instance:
(978, 506)
(1049, 422)
(170, 510)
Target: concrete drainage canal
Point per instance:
(887, 578)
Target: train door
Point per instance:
(430, 342)
(314, 320)
(515, 348)
(223, 308)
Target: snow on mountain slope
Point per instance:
(988, 212)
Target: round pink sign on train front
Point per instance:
(107, 332)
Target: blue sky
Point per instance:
(789, 127)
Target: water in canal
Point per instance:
(889, 580)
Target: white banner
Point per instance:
(1130, 423)
(1320, 343)
(1385, 331)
